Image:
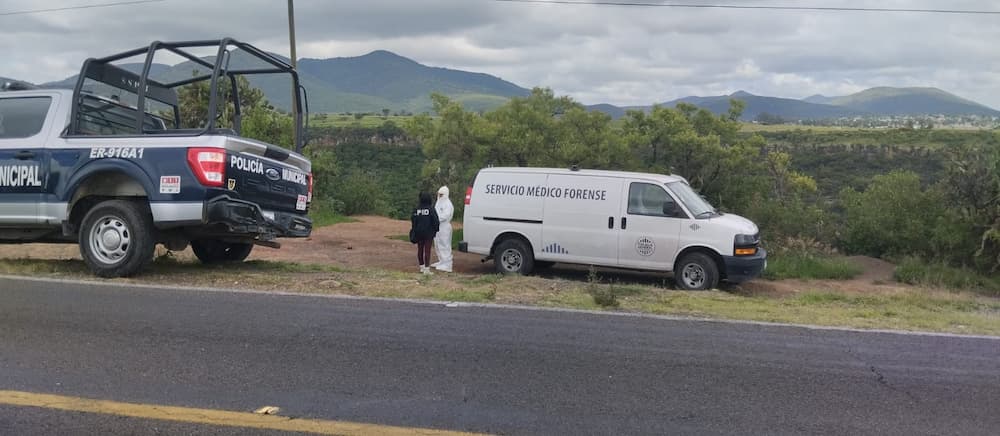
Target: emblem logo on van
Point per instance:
(272, 174)
(231, 184)
(645, 246)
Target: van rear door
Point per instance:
(581, 212)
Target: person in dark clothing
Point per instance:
(424, 225)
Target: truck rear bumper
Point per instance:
(243, 218)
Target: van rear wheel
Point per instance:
(696, 272)
(514, 256)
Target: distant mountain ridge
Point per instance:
(908, 101)
(369, 83)
(884, 101)
(385, 80)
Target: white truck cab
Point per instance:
(524, 218)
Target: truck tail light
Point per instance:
(208, 165)
(309, 199)
(468, 195)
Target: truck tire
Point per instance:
(513, 256)
(696, 272)
(116, 238)
(213, 251)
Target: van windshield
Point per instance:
(697, 205)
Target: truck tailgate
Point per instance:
(272, 177)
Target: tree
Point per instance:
(893, 217)
(194, 100)
(385, 113)
(767, 119)
(259, 120)
(972, 184)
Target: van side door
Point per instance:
(650, 227)
(580, 212)
(24, 125)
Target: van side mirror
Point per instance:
(669, 209)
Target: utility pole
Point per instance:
(295, 92)
(291, 31)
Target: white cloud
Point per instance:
(596, 54)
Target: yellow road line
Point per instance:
(210, 416)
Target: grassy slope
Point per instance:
(916, 309)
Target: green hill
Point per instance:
(406, 83)
(911, 101)
(369, 83)
(786, 108)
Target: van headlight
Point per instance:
(746, 240)
(745, 245)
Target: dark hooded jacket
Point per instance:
(424, 222)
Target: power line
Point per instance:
(69, 8)
(758, 7)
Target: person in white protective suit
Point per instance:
(442, 242)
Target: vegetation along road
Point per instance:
(201, 361)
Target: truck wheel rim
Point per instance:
(110, 239)
(511, 260)
(693, 275)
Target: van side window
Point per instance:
(648, 199)
(22, 117)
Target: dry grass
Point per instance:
(913, 309)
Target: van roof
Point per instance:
(661, 178)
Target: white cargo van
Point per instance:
(524, 218)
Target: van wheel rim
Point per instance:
(511, 260)
(693, 275)
(110, 239)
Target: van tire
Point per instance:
(696, 272)
(213, 251)
(117, 238)
(513, 256)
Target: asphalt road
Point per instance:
(493, 370)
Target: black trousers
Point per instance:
(424, 252)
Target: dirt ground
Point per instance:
(367, 244)
(362, 244)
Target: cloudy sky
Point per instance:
(620, 55)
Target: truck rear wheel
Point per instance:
(696, 272)
(116, 238)
(513, 256)
(212, 251)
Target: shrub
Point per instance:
(915, 271)
(361, 193)
(893, 217)
(606, 297)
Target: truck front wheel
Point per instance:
(212, 251)
(116, 238)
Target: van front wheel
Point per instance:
(513, 256)
(696, 272)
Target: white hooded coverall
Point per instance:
(442, 242)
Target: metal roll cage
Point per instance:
(101, 70)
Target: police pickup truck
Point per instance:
(88, 166)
